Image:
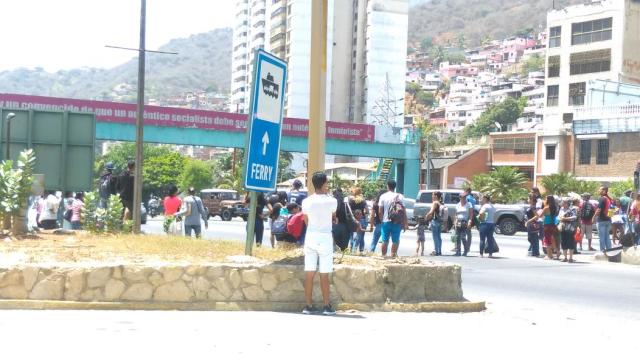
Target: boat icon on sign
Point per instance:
(269, 87)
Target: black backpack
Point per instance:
(587, 211)
(397, 211)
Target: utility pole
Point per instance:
(318, 92)
(137, 181)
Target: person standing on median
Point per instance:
(319, 212)
(391, 227)
(192, 211)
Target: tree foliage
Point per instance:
(504, 184)
(535, 62)
(503, 114)
(162, 165)
(617, 189)
(196, 173)
(425, 98)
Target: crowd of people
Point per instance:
(563, 223)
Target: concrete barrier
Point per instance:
(250, 284)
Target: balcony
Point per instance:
(606, 119)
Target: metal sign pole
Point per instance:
(251, 223)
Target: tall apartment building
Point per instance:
(594, 41)
(366, 55)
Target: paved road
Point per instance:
(535, 308)
(513, 279)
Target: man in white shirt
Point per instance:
(390, 229)
(319, 212)
(49, 216)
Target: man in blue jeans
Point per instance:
(193, 211)
(390, 229)
(603, 219)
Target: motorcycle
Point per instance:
(154, 206)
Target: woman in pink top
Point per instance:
(76, 211)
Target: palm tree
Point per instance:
(506, 185)
(558, 184)
(231, 180)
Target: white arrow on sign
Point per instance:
(265, 142)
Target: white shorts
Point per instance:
(318, 255)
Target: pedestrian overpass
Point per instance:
(167, 125)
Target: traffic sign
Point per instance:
(265, 125)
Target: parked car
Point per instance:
(409, 206)
(224, 203)
(509, 219)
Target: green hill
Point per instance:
(477, 19)
(203, 63)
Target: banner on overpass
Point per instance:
(106, 111)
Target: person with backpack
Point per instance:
(437, 216)
(192, 212)
(295, 195)
(394, 218)
(587, 210)
(271, 202)
(278, 221)
(107, 185)
(567, 227)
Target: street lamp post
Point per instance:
(9, 117)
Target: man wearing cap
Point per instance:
(193, 210)
(107, 185)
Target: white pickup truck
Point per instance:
(509, 219)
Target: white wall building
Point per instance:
(591, 41)
(366, 44)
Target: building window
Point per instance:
(550, 152)
(591, 31)
(554, 36)
(603, 152)
(585, 152)
(553, 94)
(590, 62)
(554, 66)
(577, 91)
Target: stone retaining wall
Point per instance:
(396, 283)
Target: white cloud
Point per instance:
(64, 34)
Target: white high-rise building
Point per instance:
(366, 55)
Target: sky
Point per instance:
(66, 34)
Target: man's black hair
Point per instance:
(318, 180)
(131, 164)
(391, 184)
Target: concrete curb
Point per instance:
(445, 307)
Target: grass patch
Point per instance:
(130, 248)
